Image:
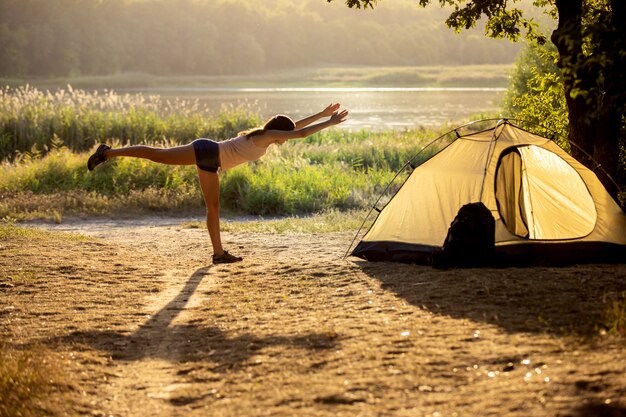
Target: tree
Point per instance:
(536, 93)
(591, 42)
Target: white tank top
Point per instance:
(238, 150)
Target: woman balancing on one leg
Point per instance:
(210, 156)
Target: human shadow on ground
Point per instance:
(560, 301)
(160, 339)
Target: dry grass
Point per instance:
(327, 221)
(54, 207)
(33, 378)
(614, 315)
(33, 120)
(28, 380)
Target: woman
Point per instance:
(210, 157)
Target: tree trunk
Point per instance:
(568, 39)
(611, 102)
(594, 88)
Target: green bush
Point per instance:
(298, 177)
(536, 91)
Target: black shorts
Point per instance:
(207, 154)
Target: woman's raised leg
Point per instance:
(178, 155)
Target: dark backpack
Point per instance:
(471, 239)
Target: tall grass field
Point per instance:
(33, 121)
(47, 137)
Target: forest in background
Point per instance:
(43, 38)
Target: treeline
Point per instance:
(44, 38)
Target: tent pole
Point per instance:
(374, 207)
(489, 154)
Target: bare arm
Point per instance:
(281, 136)
(327, 112)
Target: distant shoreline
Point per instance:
(309, 89)
(434, 77)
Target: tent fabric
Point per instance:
(547, 205)
(557, 202)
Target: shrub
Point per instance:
(536, 91)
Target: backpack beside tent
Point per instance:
(547, 207)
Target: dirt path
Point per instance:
(147, 326)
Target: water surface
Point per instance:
(370, 108)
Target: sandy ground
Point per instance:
(146, 326)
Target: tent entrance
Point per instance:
(540, 196)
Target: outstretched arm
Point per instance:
(281, 136)
(327, 112)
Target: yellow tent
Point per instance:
(547, 206)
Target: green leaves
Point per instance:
(503, 20)
(357, 4)
(536, 92)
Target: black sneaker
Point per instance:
(226, 258)
(98, 157)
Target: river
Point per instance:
(370, 108)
